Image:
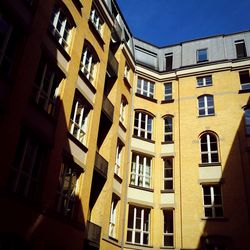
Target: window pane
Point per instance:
(208, 212)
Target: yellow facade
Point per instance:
(104, 147)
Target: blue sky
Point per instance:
(166, 22)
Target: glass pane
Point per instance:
(145, 239)
(208, 212)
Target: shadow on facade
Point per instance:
(235, 189)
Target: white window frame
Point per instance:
(113, 217)
(145, 87)
(204, 81)
(41, 94)
(118, 158)
(96, 20)
(168, 178)
(168, 126)
(143, 225)
(79, 125)
(139, 175)
(209, 151)
(63, 34)
(212, 204)
(88, 64)
(206, 108)
(66, 194)
(148, 124)
(126, 71)
(168, 91)
(165, 232)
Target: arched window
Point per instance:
(209, 148)
(143, 125)
(206, 105)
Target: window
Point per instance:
(244, 80)
(96, 20)
(143, 125)
(168, 174)
(209, 148)
(212, 201)
(202, 55)
(126, 71)
(168, 91)
(113, 217)
(138, 225)
(240, 49)
(118, 158)
(47, 86)
(67, 189)
(168, 129)
(145, 87)
(168, 230)
(204, 81)
(206, 105)
(88, 63)
(27, 168)
(169, 61)
(247, 120)
(79, 118)
(60, 27)
(141, 171)
(123, 110)
(10, 37)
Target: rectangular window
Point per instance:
(240, 49)
(204, 81)
(141, 171)
(168, 233)
(169, 61)
(244, 80)
(113, 217)
(118, 158)
(96, 20)
(67, 189)
(10, 37)
(168, 174)
(138, 231)
(202, 55)
(27, 168)
(143, 125)
(145, 87)
(126, 71)
(123, 110)
(206, 105)
(79, 118)
(168, 91)
(47, 86)
(212, 201)
(60, 27)
(168, 129)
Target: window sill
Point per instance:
(135, 245)
(242, 91)
(146, 97)
(77, 142)
(201, 116)
(202, 61)
(96, 33)
(166, 191)
(167, 142)
(122, 126)
(87, 81)
(214, 218)
(59, 46)
(143, 139)
(169, 247)
(142, 188)
(167, 101)
(118, 178)
(126, 82)
(209, 164)
(204, 86)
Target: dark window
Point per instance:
(169, 61)
(244, 79)
(240, 49)
(202, 55)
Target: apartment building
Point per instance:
(109, 142)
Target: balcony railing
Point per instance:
(101, 165)
(93, 234)
(112, 65)
(108, 108)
